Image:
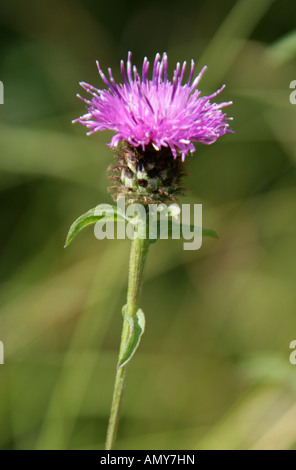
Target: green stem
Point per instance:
(138, 255)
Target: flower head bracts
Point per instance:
(155, 111)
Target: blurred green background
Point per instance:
(213, 369)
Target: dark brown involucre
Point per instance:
(145, 176)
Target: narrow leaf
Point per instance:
(137, 327)
(104, 211)
(209, 232)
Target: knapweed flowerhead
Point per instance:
(155, 111)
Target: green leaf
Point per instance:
(136, 329)
(107, 212)
(209, 232)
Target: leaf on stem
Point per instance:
(136, 329)
(103, 211)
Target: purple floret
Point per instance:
(155, 111)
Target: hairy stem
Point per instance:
(139, 249)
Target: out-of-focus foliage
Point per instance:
(213, 369)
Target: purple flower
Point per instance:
(155, 111)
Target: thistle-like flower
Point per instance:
(156, 112)
(156, 121)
